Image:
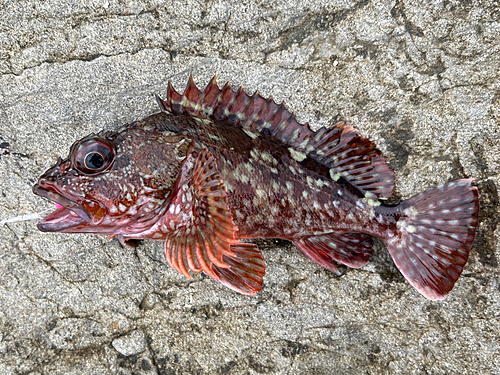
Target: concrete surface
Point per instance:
(421, 79)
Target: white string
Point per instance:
(24, 217)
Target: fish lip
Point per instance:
(54, 196)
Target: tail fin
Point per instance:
(434, 235)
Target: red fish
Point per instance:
(217, 166)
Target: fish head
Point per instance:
(113, 182)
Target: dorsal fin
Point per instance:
(342, 149)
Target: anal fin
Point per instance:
(350, 249)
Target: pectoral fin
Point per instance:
(206, 241)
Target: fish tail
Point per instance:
(433, 235)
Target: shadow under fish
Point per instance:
(217, 166)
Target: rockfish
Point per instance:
(218, 166)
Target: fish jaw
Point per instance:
(70, 214)
(73, 217)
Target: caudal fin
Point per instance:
(434, 235)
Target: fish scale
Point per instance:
(217, 166)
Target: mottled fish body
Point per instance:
(217, 166)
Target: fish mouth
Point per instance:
(69, 215)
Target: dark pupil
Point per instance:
(94, 160)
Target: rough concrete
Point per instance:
(421, 79)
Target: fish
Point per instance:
(215, 169)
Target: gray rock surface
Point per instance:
(131, 343)
(422, 79)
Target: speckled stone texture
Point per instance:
(420, 78)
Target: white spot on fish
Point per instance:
(261, 193)
(250, 133)
(274, 210)
(297, 155)
(243, 178)
(411, 212)
(373, 203)
(335, 176)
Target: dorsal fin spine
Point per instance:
(210, 93)
(256, 101)
(288, 131)
(191, 97)
(173, 99)
(266, 114)
(279, 119)
(219, 107)
(240, 104)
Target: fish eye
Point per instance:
(92, 156)
(94, 160)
